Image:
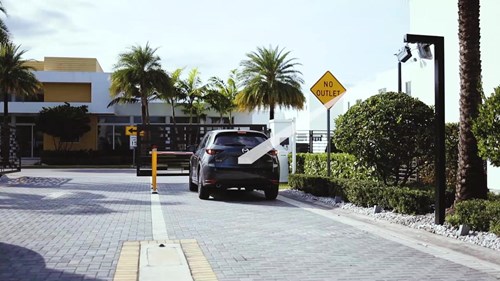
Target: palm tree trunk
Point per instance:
(271, 112)
(471, 178)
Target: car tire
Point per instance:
(271, 192)
(203, 191)
(192, 185)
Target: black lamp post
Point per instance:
(438, 42)
(403, 55)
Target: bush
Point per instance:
(342, 165)
(366, 193)
(479, 214)
(486, 128)
(388, 131)
(427, 173)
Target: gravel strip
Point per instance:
(425, 222)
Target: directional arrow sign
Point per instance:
(131, 130)
(328, 89)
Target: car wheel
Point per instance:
(192, 185)
(271, 192)
(203, 192)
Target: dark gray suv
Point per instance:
(215, 166)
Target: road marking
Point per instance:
(159, 226)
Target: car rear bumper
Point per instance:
(229, 178)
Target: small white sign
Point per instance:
(133, 142)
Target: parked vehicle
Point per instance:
(215, 164)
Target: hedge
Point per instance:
(366, 193)
(478, 214)
(342, 165)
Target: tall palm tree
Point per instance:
(138, 75)
(193, 91)
(471, 178)
(16, 78)
(270, 79)
(223, 94)
(4, 32)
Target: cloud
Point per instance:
(42, 22)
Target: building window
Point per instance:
(408, 88)
(152, 119)
(114, 119)
(217, 120)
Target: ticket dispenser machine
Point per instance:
(283, 139)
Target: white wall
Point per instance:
(99, 91)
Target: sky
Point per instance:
(353, 39)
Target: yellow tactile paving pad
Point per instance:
(127, 268)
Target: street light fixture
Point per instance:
(403, 55)
(424, 50)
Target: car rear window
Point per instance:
(241, 138)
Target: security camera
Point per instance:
(404, 54)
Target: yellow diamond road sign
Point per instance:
(328, 89)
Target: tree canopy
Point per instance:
(486, 128)
(387, 131)
(270, 79)
(65, 123)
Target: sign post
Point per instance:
(328, 90)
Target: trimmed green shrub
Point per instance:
(366, 193)
(479, 214)
(410, 201)
(388, 131)
(342, 165)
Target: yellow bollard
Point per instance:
(154, 157)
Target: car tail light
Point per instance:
(212, 151)
(273, 152)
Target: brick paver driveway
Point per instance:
(70, 225)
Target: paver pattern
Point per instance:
(70, 224)
(245, 237)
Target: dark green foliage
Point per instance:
(366, 193)
(342, 165)
(427, 173)
(64, 122)
(479, 214)
(410, 201)
(486, 128)
(387, 131)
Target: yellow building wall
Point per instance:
(88, 141)
(36, 65)
(72, 64)
(65, 64)
(67, 92)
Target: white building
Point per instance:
(440, 18)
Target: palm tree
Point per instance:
(16, 78)
(270, 80)
(471, 178)
(193, 90)
(222, 95)
(138, 76)
(4, 32)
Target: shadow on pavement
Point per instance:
(20, 264)
(101, 171)
(64, 203)
(247, 197)
(35, 182)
